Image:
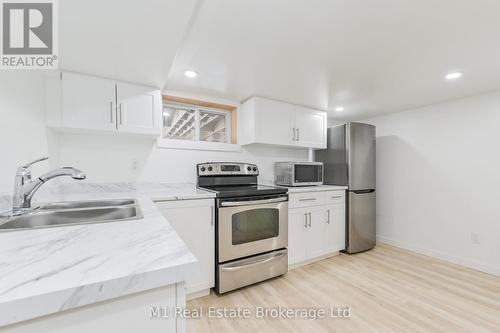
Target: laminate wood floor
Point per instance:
(387, 290)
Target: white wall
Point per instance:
(333, 122)
(438, 181)
(111, 158)
(23, 135)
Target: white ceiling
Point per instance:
(372, 57)
(127, 40)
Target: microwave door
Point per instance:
(305, 174)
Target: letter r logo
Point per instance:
(27, 28)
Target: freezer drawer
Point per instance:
(240, 273)
(361, 221)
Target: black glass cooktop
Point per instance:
(244, 190)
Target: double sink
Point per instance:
(74, 212)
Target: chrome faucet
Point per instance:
(25, 187)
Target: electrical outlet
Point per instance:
(134, 164)
(474, 238)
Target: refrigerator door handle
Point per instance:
(363, 191)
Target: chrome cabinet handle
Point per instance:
(298, 134)
(293, 130)
(336, 196)
(305, 220)
(328, 216)
(308, 199)
(121, 114)
(310, 220)
(111, 112)
(253, 202)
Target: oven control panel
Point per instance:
(227, 169)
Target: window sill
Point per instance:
(196, 145)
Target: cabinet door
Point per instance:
(316, 232)
(88, 102)
(334, 236)
(139, 109)
(193, 220)
(273, 122)
(297, 235)
(311, 126)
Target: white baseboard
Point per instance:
(310, 261)
(439, 255)
(197, 294)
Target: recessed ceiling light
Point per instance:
(190, 74)
(339, 109)
(453, 76)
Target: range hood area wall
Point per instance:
(438, 178)
(105, 158)
(112, 158)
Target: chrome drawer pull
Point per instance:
(336, 196)
(308, 199)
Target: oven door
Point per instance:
(251, 226)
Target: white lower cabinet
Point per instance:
(315, 229)
(147, 311)
(193, 220)
(334, 235)
(297, 237)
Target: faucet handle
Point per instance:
(27, 165)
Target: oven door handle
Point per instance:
(272, 257)
(253, 202)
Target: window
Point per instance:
(199, 125)
(183, 122)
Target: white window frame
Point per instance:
(196, 143)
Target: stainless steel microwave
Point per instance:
(298, 173)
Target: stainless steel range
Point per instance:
(251, 225)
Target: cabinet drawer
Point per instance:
(333, 197)
(297, 200)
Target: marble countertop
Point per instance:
(48, 270)
(318, 188)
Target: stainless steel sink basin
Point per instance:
(77, 212)
(88, 204)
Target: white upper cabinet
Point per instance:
(311, 127)
(83, 102)
(88, 102)
(273, 121)
(139, 109)
(266, 121)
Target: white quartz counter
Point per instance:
(319, 188)
(43, 271)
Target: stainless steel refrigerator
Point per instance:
(350, 160)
